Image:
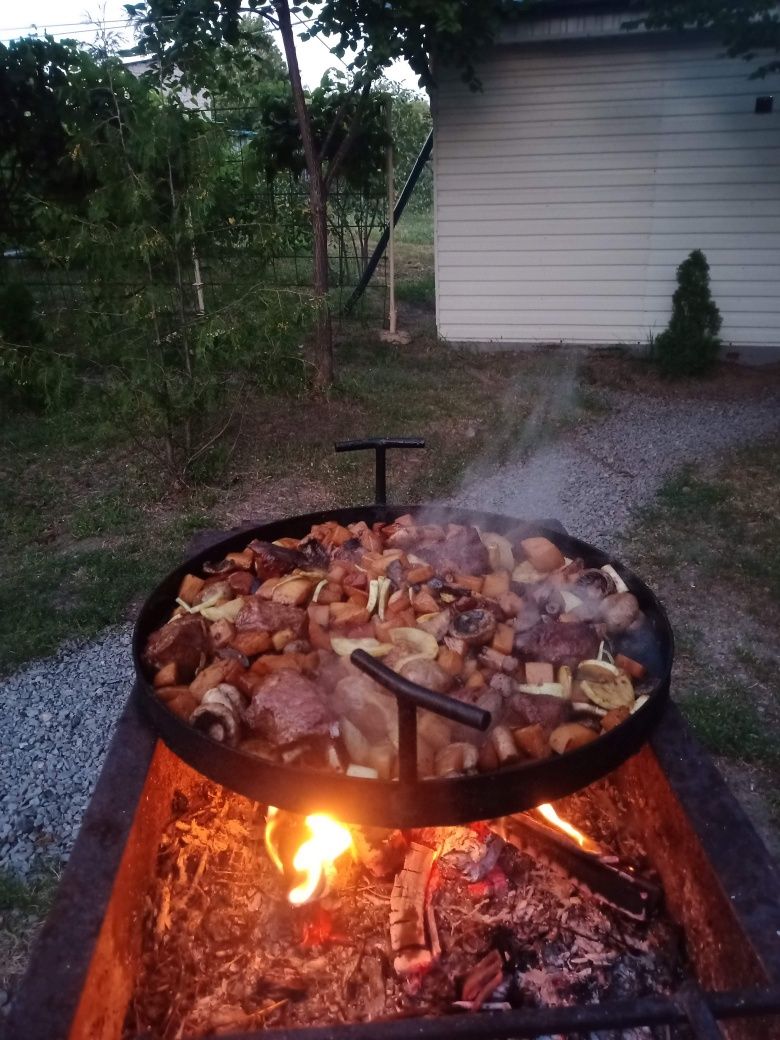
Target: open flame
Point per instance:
(552, 817)
(314, 856)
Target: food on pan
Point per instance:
(257, 651)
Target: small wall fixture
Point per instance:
(764, 104)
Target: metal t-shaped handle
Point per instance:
(380, 446)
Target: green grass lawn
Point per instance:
(710, 543)
(91, 522)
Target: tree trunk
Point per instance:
(323, 339)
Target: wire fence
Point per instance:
(247, 235)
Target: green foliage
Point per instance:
(689, 346)
(332, 108)
(165, 355)
(411, 125)
(746, 27)
(369, 35)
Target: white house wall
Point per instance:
(571, 187)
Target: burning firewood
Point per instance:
(483, 978)
(633, 896)
(407, 910)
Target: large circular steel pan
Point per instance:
(434, 802)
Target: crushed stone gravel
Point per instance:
(592, 480)
(59, 717)
(59, 713)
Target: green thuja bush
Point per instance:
(689, 346)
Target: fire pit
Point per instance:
(642, 902)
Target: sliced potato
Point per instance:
(569, 736)
(545, 689)
(293, 591)
(526, 574)
(344, 647)
(499, 551)
(565, 680)
(543, 554)
(415, 641)
(365, 772)
(609, 693)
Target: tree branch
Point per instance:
(336, 122)
(347, 141)
(313, 164)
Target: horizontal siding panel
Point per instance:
(529, 98)
(602, 228)
(649, 159)
(558, 260)
(749, 213)
(487, 280)
(536, 308)
(569, 190)
(756, 141)
(737, 180)
(508, 108)
(589, 295)
(520, 244)
(595, 335)
(625, 127)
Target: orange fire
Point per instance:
(314, 856)
(552, 817)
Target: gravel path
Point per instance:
(59, 713)
(58, 717)
(591, 481)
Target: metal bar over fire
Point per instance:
(537, 1022)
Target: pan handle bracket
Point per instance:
(380, 445)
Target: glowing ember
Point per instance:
(314, 857)
(584, 842)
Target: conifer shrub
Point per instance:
(690, 345)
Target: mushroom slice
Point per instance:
(620, 585)
(594, 584)
(415, 641)
(475, 627)
(218, 722)
(224, 694)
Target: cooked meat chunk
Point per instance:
(272, 561)
(530, 709)
(461, 551)
(184, 642)
(261, 615)
(287, 707)
(558, 643)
